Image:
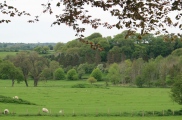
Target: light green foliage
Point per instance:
(114, 74)
(53, 66)
(97, 74)
(149, 72)
(125, 70)
(176, 90)
(93, 36)
(59, 74)
(177, 52)
(104, 43)
(72, 75)
(42, 49)
(8, 69)
(169, 81)
(46, 74)
(101, 67)
(91, 80)
(81, 70)
(58, 46)
(89, 68)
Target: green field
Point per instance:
(4, 54)
(116, 103)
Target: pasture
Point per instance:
(4, 54)
(116, 102)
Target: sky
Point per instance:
(20, 31)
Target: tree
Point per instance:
(58, 46)
(97, 74)
(72, 75)
(21, 60)
(91, 80)
(8, 68)
(81, 70)
(53, 65)
(139, 81)
(149, 72)
(114, 73)
(46, 74)
(93, 36)
(37, 64)
(136, 69)
(42, 49)
(59, 74)
(176, 90)
(126, 71)
(127, 13)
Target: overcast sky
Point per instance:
(20, 31)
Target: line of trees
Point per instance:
(15, 47)
(158, 72)
(116, 49)
(147, 62)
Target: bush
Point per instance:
(72, 75)
(59, 74)
(97, 74)
(87, 86)
(91, 80)
(176, 90)
(139, 81)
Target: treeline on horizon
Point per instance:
(150, 60)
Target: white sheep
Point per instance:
(6, 111)
(60, 111)
(45, 110)
(15, 97)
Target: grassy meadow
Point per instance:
(114, 102)
(4, 54)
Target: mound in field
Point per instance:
(5, 99)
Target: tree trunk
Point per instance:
(13, 82)
(26, 82)
(25, 79)
(35, 82)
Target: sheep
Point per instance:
(15, 97)
(60, 111)
(6, 111)
(45, 110)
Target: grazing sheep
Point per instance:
(15, 97)
(6, 111)
(60, 111)
(45, 110)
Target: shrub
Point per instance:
(97, 74)
(91, 80)
(72, 75)
(139, 81)
(59, 74)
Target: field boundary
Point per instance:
(97, 114)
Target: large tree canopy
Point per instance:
(144, 15)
